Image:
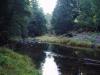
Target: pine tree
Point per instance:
(64, 15)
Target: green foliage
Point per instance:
(89, 13)
(12, 63)
(85, 19)
(64, 15)
(37, 24)
(20, 12)
(14, 17)
(97, 13)
(66, 41)
(83, 14)
(88, 42)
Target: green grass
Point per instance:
(66, 41)
(12, 63)
(16, 38)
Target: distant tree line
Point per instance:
(21, 18)
(69, 15)
(37, 25)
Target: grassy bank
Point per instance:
(68, 41)
(12, 63)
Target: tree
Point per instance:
(3, 15)
(97, 13)
(37, 24)
(87, 15)
(14, 15)
(64, 15)
(19, 15)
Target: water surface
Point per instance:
(59, 60)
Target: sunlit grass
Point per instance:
(16, 38)
(12, 63)
(66, 41)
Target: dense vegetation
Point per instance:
(89, 15)
(76, 14)
(21, 18)
(76, 21)
(63, 16)
(25, 18)
(72, 42)
(13, 17)
(37, 25)
(16, 16)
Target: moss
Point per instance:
(12, 63)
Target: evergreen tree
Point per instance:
(37, 24)
(64, 15)
(87, 14)
(18, 17)
(97, 14)
(14, 15)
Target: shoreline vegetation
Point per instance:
(12, 63)
(85, 40)
(69, 41)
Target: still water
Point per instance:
(49, 66)
(59, 60)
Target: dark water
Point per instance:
(59, 60)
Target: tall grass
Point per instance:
(12, 63)
(66, 41)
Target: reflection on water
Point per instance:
(59, 60)
(49, 67)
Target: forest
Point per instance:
(24, 24)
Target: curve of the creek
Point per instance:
(58, 60)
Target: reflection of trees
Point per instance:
(35, 51)
(69, 64)
(73, 67)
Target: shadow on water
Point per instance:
(59, 60)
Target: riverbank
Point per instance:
(78, 41)
(12, 63)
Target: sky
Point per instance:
(47, 5)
